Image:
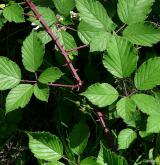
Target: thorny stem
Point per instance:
(53, 36)
(68, 61)
(65, 86)
(53, 84)
(106, 131)
(102, 122)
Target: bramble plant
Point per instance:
(79, 82)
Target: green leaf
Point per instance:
(146, 104)
(32, 52)
(86, 32)
(148, 74)
(143, 134)
(50, 75)
(110, 158)
(44, 37)
(99, 43)
(79, 138)
(14, 13)
(2, 20)
(153, 124)
(126, 109)
(125, 138)
(100, 158)
(54, 163)
(89, 161)
(101, 94)
(48, 3)
(45, 146)
(94, 13)
(64, 6)
(121, 59)
(18, 97)
(157, 96)
(134, 11)
(47, 14)
(67, 41)
(144, 34)
(41, 92)
(10, 74)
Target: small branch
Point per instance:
(53, 36)
(121, 28)
(28, 81)
(101, 119)
(69, 160)
(67, 27)
(125, 89)
(138, 48)
(29, 15)
(36, 76)
(74, 86)
(108, 135)
(64, 85)
(75, 49)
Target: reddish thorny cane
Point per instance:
(53, 36)
(32, 6)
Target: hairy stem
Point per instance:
(53, 36)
